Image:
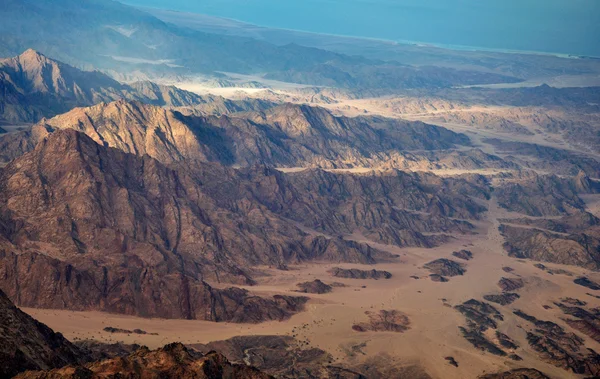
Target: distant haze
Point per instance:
(556, 26)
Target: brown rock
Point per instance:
(171, 361)
(509, 284)
(519, 373)
(316, 286)
(30, 345)
(502, 299)
(463, 254)
(359, 274)
(384, 321)
(445, 267)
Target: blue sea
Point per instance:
(552, 26)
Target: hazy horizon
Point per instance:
(554, 26)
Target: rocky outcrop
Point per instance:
(584, 320)
(438, 278)
(588, 283)
(316, 286)
(280, 356)
(384, 321)
(480, 317)
(445, 267)
(480, 313)
(480, 342)
(463, 254)
(502, 299)
(355, 273)
(171, 361)
(98, 351)
(30, 345)
(518, 373)
(510, 284)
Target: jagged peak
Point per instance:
(32, 56)
(32, 53)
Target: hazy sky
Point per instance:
(561, 26)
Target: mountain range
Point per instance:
(34, 87)
(114, 36)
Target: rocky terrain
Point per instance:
(315, 286)
(441, 268)
(171, 361)
(384, 321)
(503, 298)
(30, 345)
(279, 356)
(67, 237)
(561, 348)
(510, 284)
(359, 274)
(519, 373)
(455, 201)
(463, 254)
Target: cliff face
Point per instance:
(30, 345)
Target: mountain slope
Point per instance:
(288, 135)
(134, 226)
(30, 345)
(137, 237)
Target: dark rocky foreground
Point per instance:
(519, 373)
(30, 345)
(27, 344)
(171, 361)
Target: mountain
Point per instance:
(30, 345)
(287, 135)
(135, 225)
(35, 86)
